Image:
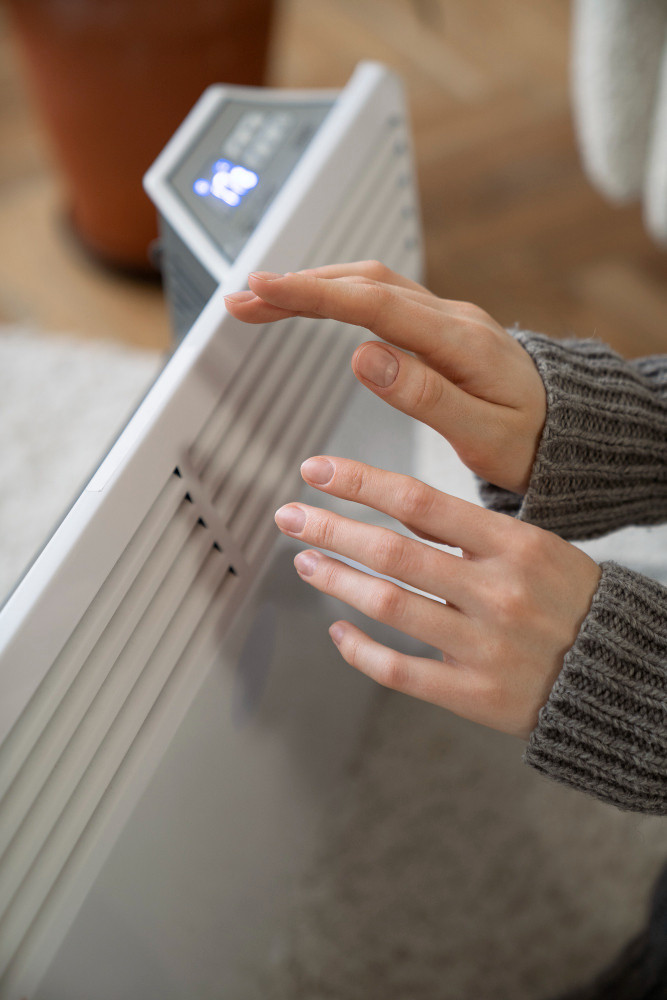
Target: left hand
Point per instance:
(515, 601)
(446, 363)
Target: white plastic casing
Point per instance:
(147, 609)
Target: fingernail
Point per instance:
(306, 562)
(317, 470)
(240, 296)
(265, 275)
(337, 632)
(291, 519)
(377, 365)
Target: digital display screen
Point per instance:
(228, 182)
(236, 167)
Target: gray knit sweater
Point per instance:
(602, 465)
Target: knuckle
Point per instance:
(331, 571)
(352, 648)
(349, 648)
(393, 672)
(319, 528)
(355, 480)
(391, 553)
(381, 297)
(387, 602)
(324, 531)
(479, 335)
(528, 544)
(415, 501)
(374, 269)
(321, 302)
(470, 311)
(428, 390)
(467, 308)
(510, 602)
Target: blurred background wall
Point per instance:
(511, 223)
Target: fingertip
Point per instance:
(291, 519)
(319, 470)
(237, 297)
(337, 632)
(306, 562)
(262, 276)
(375, 363)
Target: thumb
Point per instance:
(411, 386)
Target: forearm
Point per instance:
(604, 728)
(602, 459)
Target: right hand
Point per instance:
(470, 380)
(514, 604)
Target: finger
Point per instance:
(250, 308)
(403, 381)
(369, 269)
(452, 687)
(374, 270)
(456, 311)
(383, 309)
(382, 550)
(454, 522)
(430, 621)
(360, 272)
(412, 387)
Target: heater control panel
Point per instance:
(234, 170)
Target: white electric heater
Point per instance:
(173, 715)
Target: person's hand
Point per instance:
(470, 380)
(515, 602)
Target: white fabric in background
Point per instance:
(619, 85)
(655, 185)
(616, 55)
(62, 403)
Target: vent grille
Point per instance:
(111, 670)
(182, 575)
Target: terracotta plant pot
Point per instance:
(114, 78)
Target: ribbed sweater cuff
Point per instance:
(602, 459)
(604, 728)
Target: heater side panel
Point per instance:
(172, 533)
(188, 284)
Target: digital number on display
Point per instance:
(229, 183)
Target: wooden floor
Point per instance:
(511, 222)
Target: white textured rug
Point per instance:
(448, 870)
(62, 403)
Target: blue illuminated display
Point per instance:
(229, 183)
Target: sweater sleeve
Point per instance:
(602, 459)
(604, 728)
